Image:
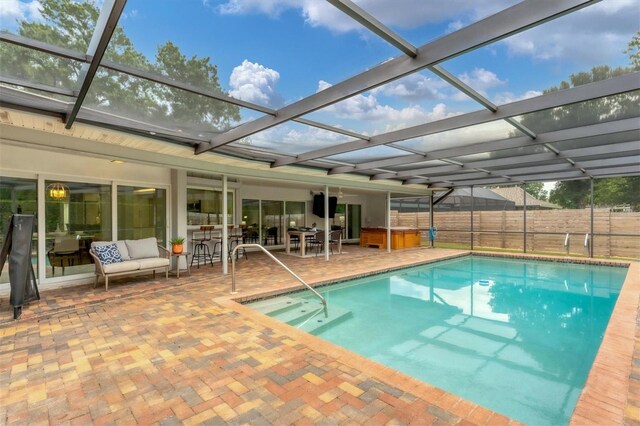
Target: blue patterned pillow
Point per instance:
(108, 254)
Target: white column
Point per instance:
(178, 208)
(225, 230)
(388, 220)
(326, 222)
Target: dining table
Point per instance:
(302, 235)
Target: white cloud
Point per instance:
(367, 108)
(481, 79)
(401, 13)
(414, 87)
(592, 36)
(255, 83)
(508, 97)
(12, 11)
(293, 139)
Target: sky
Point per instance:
(275, 52)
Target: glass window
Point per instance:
(272, 221)
(251, 220)
(204, 207)
(75, 215)
(142, 213)
(295, 212)
(17, 196)
(354, 220)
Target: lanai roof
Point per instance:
(505, 140)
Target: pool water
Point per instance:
(516, 336)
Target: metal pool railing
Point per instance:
(233, 270)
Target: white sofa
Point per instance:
(136, 256)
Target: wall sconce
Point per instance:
(57, 191)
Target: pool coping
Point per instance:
(603, 399)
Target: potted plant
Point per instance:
(177, 244)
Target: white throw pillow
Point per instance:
(144, 248)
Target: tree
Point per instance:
(70, 24)
(607, 192)
(536, 189)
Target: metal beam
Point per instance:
(42, 47)
(515, 180)
(594, 130)
(106, 25)
(513, 20)
(626, 160)
(613, 86)
(363, 17)
(496, 162)
(616, 170)
(36, 86)
(604, 149)
(442, 197)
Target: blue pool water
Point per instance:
(516, 336)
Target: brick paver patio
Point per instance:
(180, 351)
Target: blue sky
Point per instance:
(274, 52)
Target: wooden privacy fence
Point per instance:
(617, 234)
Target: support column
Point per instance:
(326, 223)
(388, 220)
(524, 215)
(431, 221)
(225, 230)
(472, 217)
(592, 226)
(178, 210)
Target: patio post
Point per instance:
(431, 242)
(524, 215)
(591, 230)
(225, 230)
(472, 217)
(388, 222)
(326, 222)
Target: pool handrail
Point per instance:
(233, 270)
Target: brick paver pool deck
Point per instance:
(156, 351)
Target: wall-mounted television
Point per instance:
(318, 205)
(195, 207)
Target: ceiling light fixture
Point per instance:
(57, 191)
(117, 161)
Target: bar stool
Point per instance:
(235, 237)
(201, 246)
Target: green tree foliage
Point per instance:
(575, 194)
(633, 50)
(536, 189)
(607, 192)
(70, 24)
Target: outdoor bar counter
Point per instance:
(401, 237)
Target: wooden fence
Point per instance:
(617, 234)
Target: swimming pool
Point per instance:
(516, 336)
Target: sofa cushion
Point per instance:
(153, 262)
(108, 254)
(144, 248)
(126, 266)
(122, 247)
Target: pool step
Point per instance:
(276, 306)
(305, 310)
(320, 322)
(305, 314)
